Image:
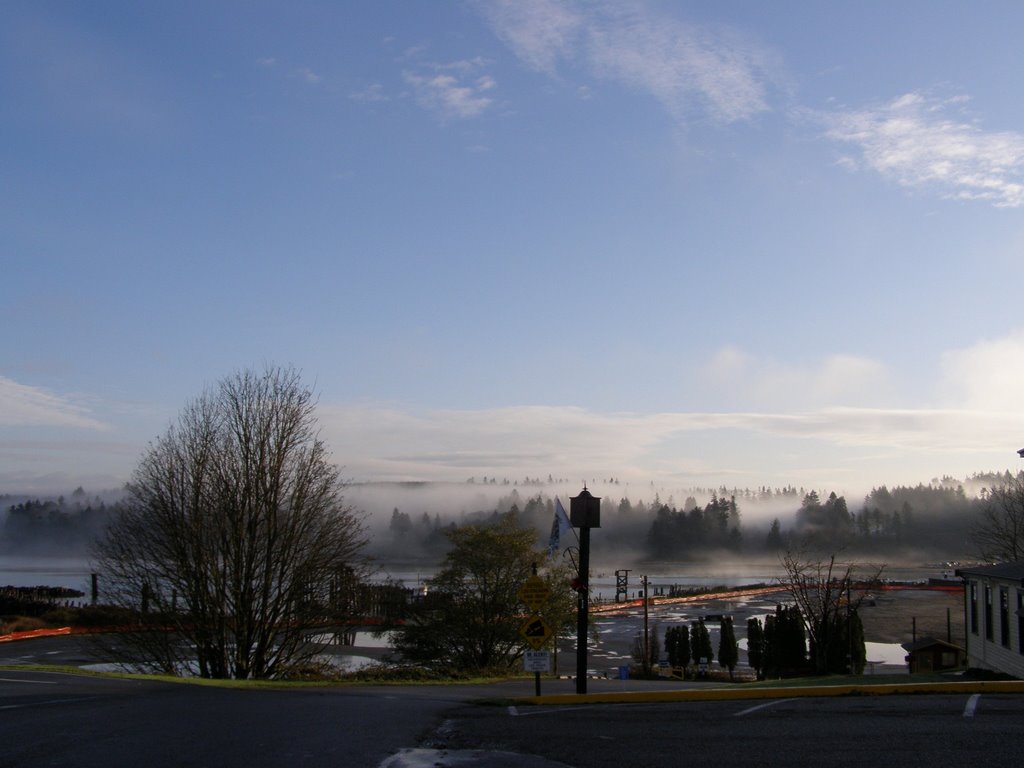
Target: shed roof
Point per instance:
(1012, 571)
(928, 642)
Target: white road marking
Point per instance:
(17, 680)
(972, 704)
(760, 706)
(44, 703)
(514, 711)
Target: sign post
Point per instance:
(535, 631)
(537, 661)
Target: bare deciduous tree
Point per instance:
(828, 595)
(999, 534)
(233, 538)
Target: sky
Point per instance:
(678, 243)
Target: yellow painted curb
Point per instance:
(735, 694)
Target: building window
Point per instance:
(1020, 621)
(1004, 616)
(974, 607)
(988, 612)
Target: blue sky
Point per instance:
(685, 243)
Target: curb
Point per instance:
(739, 694)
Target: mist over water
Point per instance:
(460, 501)
(905, 526)
(46, 541)
(39, 571)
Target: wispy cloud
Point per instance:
(540, 32)
(834, 422)
(915, 141)
(371, 93)
(298, 73)
(987, 376)
(532, 441)
(839, 379)
(690, 69)
(680, 65)
(307, 74)
(830, 428)
(455, 90)
(455, 444)
(22, 405)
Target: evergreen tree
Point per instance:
(735, 542)
(846, 651)
(400, 525)
(684, 646)
(771, 655)
(785, 643)
(728, 648)
(809, 514)
(755, 646)
(793, 648)
(826, 597)
(670, 646)
(677, 646)
(700, 641)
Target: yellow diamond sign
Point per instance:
(536, 632)
(534, 592)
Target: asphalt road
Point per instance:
(903, 731)
(52, 719)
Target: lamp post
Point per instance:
(584, 513)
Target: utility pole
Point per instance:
(849, 630)
(646, 656)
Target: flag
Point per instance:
(560, 526)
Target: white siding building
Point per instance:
(994, 617)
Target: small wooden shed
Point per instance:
(931, 655)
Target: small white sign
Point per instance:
(537, 661)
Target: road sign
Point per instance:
(534, 592)
(537, 661)
(535, 631)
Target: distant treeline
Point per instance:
(933, 519)
(929, 520)
(53, 526)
